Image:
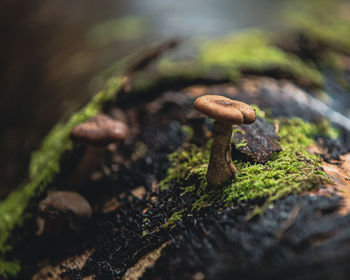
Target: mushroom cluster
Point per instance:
(67, 207)
(226, 113)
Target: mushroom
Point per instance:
(99, 131)
(96, 134)
(60, 207)
(226, 112)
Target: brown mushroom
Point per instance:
(226, 112)
(100, 130)
(63, 206)
(96, 134)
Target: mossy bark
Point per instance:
(225, 59)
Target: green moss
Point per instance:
(225, 59)
(259, 113)
(326, 26)
(326, 129)
(188, 131)
(241, 144)
(254, 51)
(9, 268)
(322, 21)
(189, 166)
(171, 222)
(44, 165)
(293, 170)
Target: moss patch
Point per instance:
(9, 268)
(189, 166)
(324, 21)
(254, 51)
(171, 222)
(293, 170)
(225, 59)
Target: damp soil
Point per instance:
(301, 237)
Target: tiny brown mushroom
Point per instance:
(96, 134)
(63, 206)
(100, 130)
(226, 112)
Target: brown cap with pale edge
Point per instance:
(100, 130)
(65, 202)
(225, 110)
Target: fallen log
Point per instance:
(154, 215)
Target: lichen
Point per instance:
(291, 171)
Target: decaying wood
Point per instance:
(198, 246)
(53, 272)
(135, 272)
(142, 232)
(339, 173)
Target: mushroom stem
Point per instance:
(220, 168)
(90, 161)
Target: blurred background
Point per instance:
(50, 50)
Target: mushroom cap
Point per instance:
(65, 203)
(100, 130)
(225, 110)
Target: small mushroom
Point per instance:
(226, 112)
(99, 131)
(96, 134)
(63, 206)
